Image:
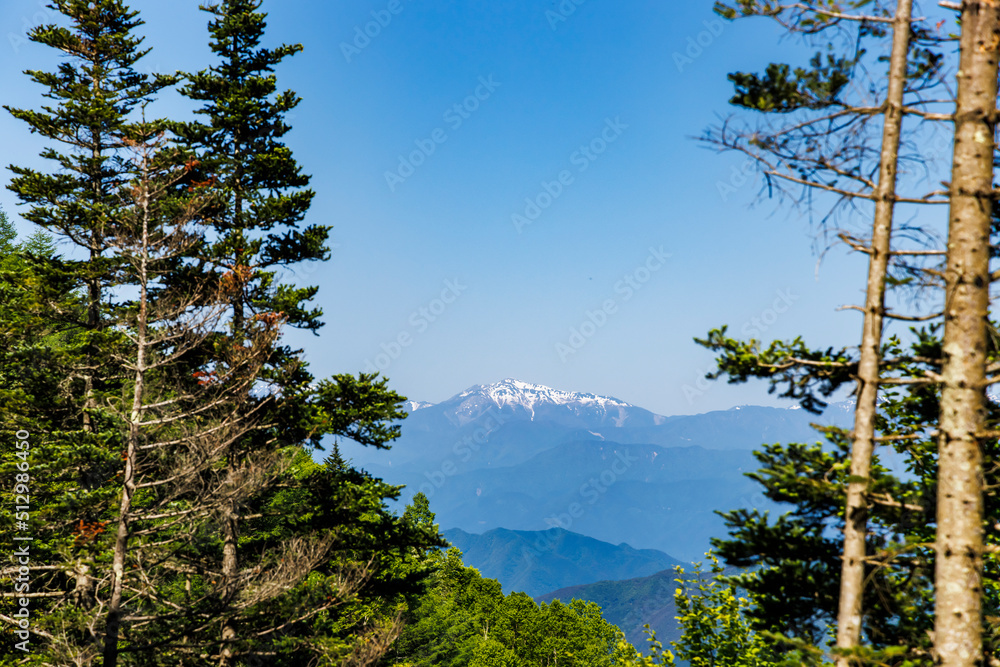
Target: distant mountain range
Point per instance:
(526, 457)
(538, 562)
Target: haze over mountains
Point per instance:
(539, 562)
(564, 494)
(526, 457)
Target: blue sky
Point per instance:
(479, 111)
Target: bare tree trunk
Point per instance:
(856, 516)
(135, 418)
(230, 569)
(118, 563)
(230, 518)
(958, 566)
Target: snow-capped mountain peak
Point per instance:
(516, 393)
(512, 396)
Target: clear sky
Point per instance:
(425, 137)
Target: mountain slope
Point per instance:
(647, 496)
(520, 456)
(539, 561)
(630, 604)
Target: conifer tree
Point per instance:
(965, 349)
(62, 360)
(795, 557)
(176, 424)
(240, 145)
(95, 93)
(263, 190)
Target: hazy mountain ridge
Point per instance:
(521, 456)
(544, 417)
(536, 562)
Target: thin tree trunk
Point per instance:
(856, 516)
(118, 563)
(230, 569)
(230, 518)
(125, 508)
(958, 565)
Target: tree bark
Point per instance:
(230, 570)
(230, 519)
(128, 490)
(856, 514)
(958, 565)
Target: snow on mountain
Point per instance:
(413, 406)
(517, 397)
(515, 392)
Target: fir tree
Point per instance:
(62, 353)
(240, 146)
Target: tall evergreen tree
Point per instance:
(176, 424)
(239, 145)
(65, 367)
(796, 556)
(95, 93)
